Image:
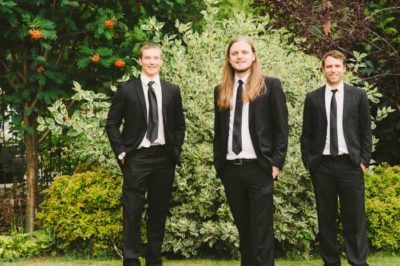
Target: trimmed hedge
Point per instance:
(84, 211)
(383, 207)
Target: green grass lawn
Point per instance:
(376, 260)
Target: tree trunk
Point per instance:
(31, 151)
(326, 25)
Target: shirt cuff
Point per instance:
(121, 156)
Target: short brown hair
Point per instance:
(335, 54)
(149, 45)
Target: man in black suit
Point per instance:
(336, 149)
(147, 149)
(250, 143)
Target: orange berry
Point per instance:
(119, 63)
(35, 34)
(40, 69)
(95, 58)
(109, 23)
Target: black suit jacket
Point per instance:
(356, 126)
(129, 108)
(268, 125)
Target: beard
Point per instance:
(240, 71)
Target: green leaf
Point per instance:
(83, 62)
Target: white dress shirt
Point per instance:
(157, 89)
(247, 146)
(339, 103)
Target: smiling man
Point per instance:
(147, 150)
(250, 143)
(336, 149)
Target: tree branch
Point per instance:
(12, 82)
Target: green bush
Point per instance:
(20, 245)
(383, 207)
(84, 211)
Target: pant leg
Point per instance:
(260, 191)
(325, 190)
(238, 200)
(352, 205)
(133, 199)
(159, 198)
(249, 193)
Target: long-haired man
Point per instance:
(250, 143)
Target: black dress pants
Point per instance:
(249, 190)
(151, 171)
(333, 177)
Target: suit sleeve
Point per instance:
(306, 135)
(114, 121)
(280, 124)
(365, 130)
(179, 126)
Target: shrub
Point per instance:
(20, 245)
(383, 207)
(84, 211)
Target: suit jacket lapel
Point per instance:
(346, 100)
(321, 100)
(224, 118)
(137, 86)
(250, 113)
(164, 100)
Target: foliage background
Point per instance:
(200, 221)
(370, 27)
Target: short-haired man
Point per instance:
(147, 149)
(336, 149)
(250, 143)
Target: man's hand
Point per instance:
(121, 157)
(363, 167)
(275, 172)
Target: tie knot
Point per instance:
(334, 91)
(150, 84)
(240, 82)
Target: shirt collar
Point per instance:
(145, 80)
(244, 78)
(340, 87)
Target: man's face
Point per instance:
(241, 56)
(334, 70)
(151, 61)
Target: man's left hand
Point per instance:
(275, 172)
(363, 167)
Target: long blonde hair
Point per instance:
(255, 84)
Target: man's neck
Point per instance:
(241, 74)
(334, 85)
(152, 77)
